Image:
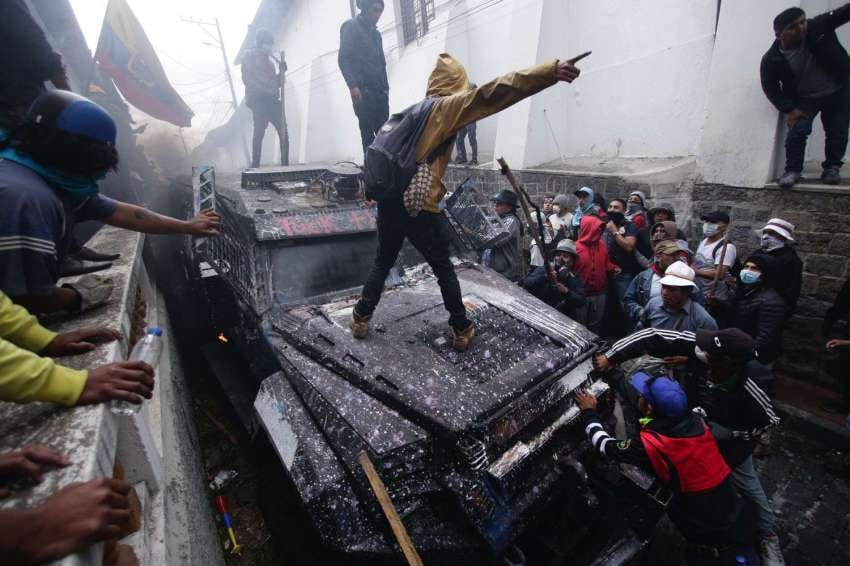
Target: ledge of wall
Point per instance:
(157, 447)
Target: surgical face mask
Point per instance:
(749, 276)
(769, 242)
(701, 354)
(709, 229)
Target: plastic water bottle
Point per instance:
(146, 350)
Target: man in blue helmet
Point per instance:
(49, 172)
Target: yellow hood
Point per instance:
(448, 77)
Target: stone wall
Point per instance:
(823, 234)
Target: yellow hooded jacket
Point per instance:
(24, 375)
(458, 107)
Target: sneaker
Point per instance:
(787, 180)
(771, 553)
(460, 161)
(463, 338)
(474, 161)
(359, 326)
(830, 176)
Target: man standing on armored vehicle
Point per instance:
(455, 107)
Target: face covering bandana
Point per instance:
(633, 208)
(748, 276)
(701, 354)
(709, 229)
(769, 242)
(78, 187)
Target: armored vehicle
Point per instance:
(477, 450)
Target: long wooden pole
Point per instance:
(389, 510)
(536, 228)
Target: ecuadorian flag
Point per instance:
(125, 54)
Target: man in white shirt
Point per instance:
(709, 252)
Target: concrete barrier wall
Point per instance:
(157, 448)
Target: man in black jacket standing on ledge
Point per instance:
(361, 60)
(804, 72)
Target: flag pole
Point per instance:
(93, 69)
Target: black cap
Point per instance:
(716, 216)
(727, 343)
(505, 197)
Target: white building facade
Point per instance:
(667, 79)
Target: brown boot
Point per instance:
(359, 326)
(463, 338)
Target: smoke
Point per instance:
(163, 145)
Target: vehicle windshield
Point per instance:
(318, 266)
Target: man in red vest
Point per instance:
(678, 447)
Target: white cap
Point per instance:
(679, 275)
(781, 227)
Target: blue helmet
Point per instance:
(74, 114)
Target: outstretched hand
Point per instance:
(29, 462)
(567, 70)
(205, 223)
(585, 400)
(120, 381)
(79, 341)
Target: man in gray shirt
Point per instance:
(805, 72)
(674, 309)
(504, 257)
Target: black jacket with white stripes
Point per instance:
(738, 412)
(706, 517)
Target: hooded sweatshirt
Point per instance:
(458, 106)
(593, 263)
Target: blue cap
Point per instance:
(155, 330)
(665, 395)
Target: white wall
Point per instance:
(740, 134)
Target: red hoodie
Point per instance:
(593, 263)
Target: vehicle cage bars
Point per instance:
(475, 216)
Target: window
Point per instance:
(415, 17)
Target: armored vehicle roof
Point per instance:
(301, 201)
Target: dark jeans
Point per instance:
(835, 117)
(372, 112)
(460, 145)
(268, 111)
(430, 234)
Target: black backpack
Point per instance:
(390, 162)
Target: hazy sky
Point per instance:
(195, 68)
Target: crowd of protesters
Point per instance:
(643, 287)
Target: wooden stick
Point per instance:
(389, 510)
